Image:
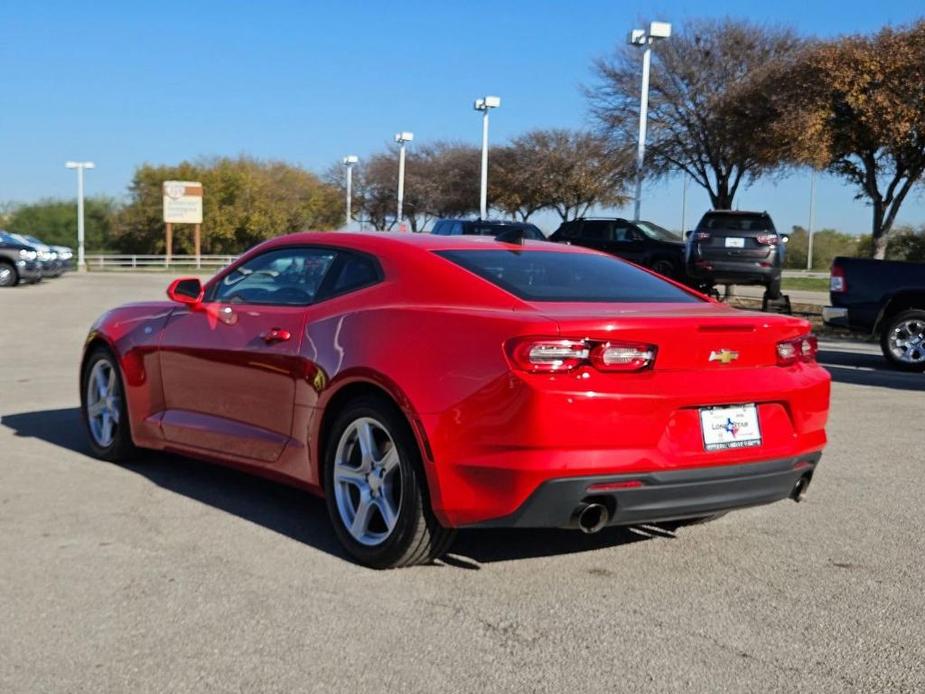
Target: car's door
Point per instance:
(596, 234)
(629, 242)
(230, 365)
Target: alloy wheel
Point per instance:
(7, 276)
(907, 341)
(367, 481)
(104, 403)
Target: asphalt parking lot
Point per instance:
(169, 575)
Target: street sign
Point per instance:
(183, 202)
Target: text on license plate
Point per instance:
(735, 242)
(735, 426)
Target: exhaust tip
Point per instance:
(592, 517)
(798, 493)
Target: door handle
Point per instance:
(276, 335)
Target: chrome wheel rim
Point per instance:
(367, 481)
(104, 403)
(907, 341)
(6, 275)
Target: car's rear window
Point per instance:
(557, 276)
(488, 229)
(737, 222)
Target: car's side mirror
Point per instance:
(687, 234)
(186, 290)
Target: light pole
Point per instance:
(641, 37)
(684, 206)
(349, 161)
(401, 138)
(484, 105)
(80, 166)
(812, 220)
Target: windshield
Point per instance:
(557, 276)
(654, 231)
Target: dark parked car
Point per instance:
(50, 263)
(487, 227)
(66, 256)
(643, 243)
(885, 299)
(18, 261)
(730, 247)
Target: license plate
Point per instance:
(735, 242)
(730, 427)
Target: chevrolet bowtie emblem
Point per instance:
(724, 356)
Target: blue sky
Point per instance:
(308, 82)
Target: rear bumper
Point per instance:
(661, 496)
(835, 316)
(732, 272)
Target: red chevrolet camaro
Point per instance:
(425, 383)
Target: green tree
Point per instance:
(55, 222)
(245, 201)
(827, 244)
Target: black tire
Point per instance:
(665, 267)
(121, 448)
(889, 326)
(9, 275)
(773, 289)
(417, 537)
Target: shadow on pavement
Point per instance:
(299, 515)
(858, 368)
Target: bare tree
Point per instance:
(564, 170)
(693, 123)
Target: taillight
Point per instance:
(610, 356)
(803, 348)
(702, 236)
(548, 356)
(542, 355)
(837, 279)
(767, 239)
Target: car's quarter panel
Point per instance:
(226, 387)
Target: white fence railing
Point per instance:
(156, 262)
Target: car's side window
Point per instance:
(625, 233)
(353, 271)
(283, 277)
(456, 229)
(438, 229)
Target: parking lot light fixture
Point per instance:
(349, 161)
(645, 38)
(80, 166)
(401, 138)
(485, 104)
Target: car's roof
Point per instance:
(385, 240)
(736, 213)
